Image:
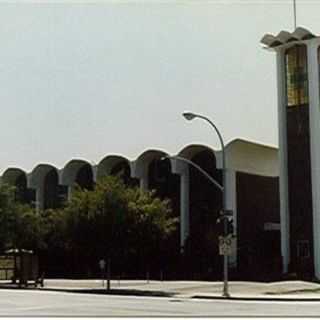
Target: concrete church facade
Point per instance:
(251, 169)
(274, 194)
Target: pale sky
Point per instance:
(87, 79)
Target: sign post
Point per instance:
(102, 266)
(225, 245)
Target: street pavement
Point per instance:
(245, 290)
(134, 298)
(56, 303)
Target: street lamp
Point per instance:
(216, 183)
(190, 116)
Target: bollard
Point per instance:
(108, 274)
(103, 277)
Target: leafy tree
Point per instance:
(114, 221)
(20, 226)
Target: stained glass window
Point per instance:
(297, 76)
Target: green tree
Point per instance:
(20, 226)
(114, 221)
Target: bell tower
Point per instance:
(299, 148)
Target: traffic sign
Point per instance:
(225, 245)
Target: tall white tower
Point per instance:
(299, 148)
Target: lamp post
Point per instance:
(190, 116)
(216, 183)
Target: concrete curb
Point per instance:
(119, 292)
(259, 298)
(167, 294)
(172, 294)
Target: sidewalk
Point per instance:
(239, 290)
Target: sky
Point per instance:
(82, 80)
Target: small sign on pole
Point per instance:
(225, 245)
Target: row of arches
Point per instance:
(190, 192)
(194, 199)
(47, 186)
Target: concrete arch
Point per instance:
(149, 155)
(11, 175)
(77, 172)
(201, 202)
(251, 157)
(108, 163)
(141, 165)
(190, 151)
(18, 178)
(157, 174)
(203, 156)
(119, 166)
(242, 155)
(71, 171)
(38, 174)
(44, 178)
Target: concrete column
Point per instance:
(231, 187)
(38, 187)
(94, 172)
(182, 169)
(283, 160)
(39, 203)
(144, 181)
(140, 171)
(70, 191)
(314, 116)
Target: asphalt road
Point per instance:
(44, 303)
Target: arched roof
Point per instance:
(11, 175)
(106, 165)
(70, 171)
(190, 151)
(149, 155)
(241, 155)
(142, 162)
(39, 173)
(251, 157)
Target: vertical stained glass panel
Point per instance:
(299, 161)
(297, 76)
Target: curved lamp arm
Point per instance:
(217, 184)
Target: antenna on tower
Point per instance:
(295, 14)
